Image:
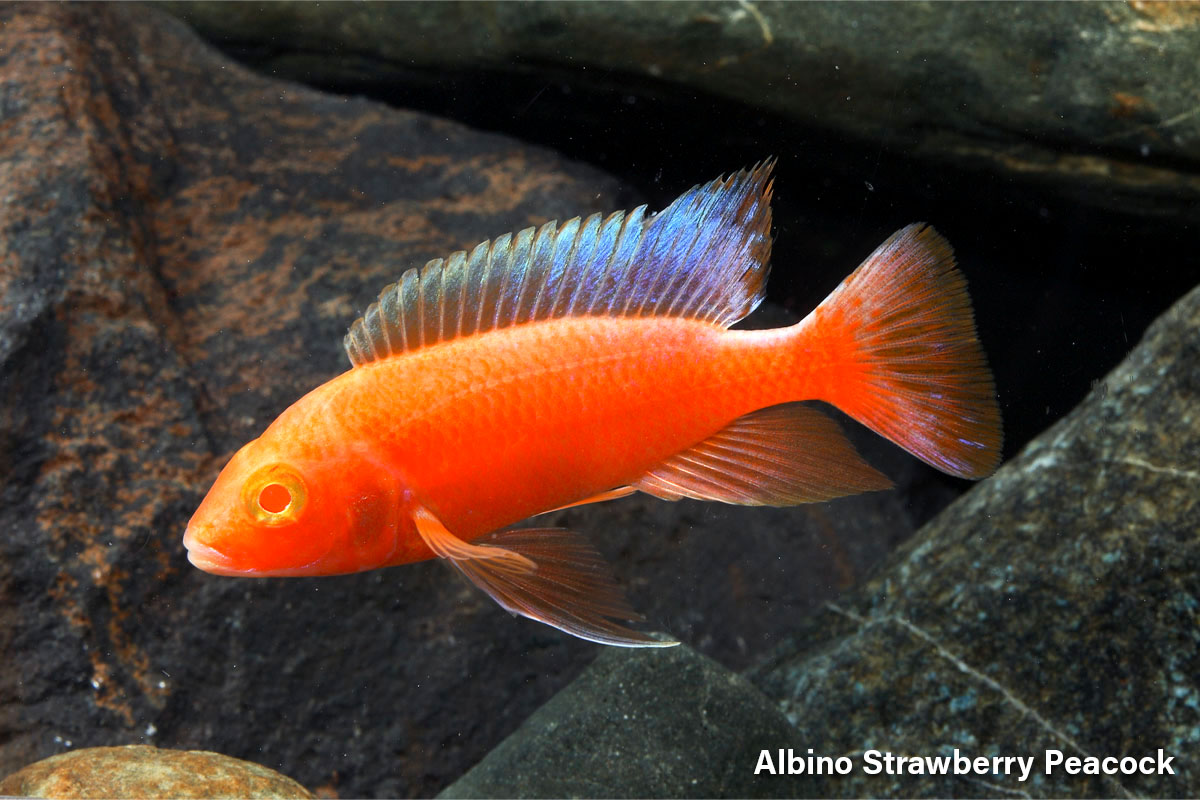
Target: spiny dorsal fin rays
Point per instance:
(703, 257)
(721, 232)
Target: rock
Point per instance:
(1053, 607)
(183, 244)
(1097, 100)
(657, 723)
(139, 771)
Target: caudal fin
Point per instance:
(894, 346)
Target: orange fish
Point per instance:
(581, 362)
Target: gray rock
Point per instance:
(656, 723)
(1098, 99)
(1054, 607)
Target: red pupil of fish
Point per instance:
(274, 498)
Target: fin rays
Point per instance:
(703, 257)
(903, 327)
(548, 574)
(778, 456)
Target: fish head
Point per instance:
(276, 511)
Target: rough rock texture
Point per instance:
(182, 246)
(1098, 99)
(141, 771)
(1055, 606)
(666, 723)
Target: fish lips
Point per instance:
(207, 558)
(215, 562)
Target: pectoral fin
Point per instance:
(446, 545)
(546, 574)
(603, 497)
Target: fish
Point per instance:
(580, 362)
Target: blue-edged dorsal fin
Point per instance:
(703, 257)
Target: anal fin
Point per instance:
(546, 574)
(778, 456)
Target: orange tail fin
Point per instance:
(894, 347)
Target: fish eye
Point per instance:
(274, 498)
(275, 495)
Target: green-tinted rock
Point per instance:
(638, 723)
(1055, 606)
(139, 771)
(1097, 98)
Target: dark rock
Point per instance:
(182, 245)
(656, 723)
(139, 771)
(1055, 606)
(1099, 100)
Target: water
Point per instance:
(195, 287)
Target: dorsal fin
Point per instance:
(703, 257)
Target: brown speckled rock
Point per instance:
(183, 244)
(140, 771)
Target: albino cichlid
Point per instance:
(581, 362)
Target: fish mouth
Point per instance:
(207, 558)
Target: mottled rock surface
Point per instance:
(182, 245)
(1098, 99)
(1055, 606)
(666, 723)
(141, 771)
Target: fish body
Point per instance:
(581, 362)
